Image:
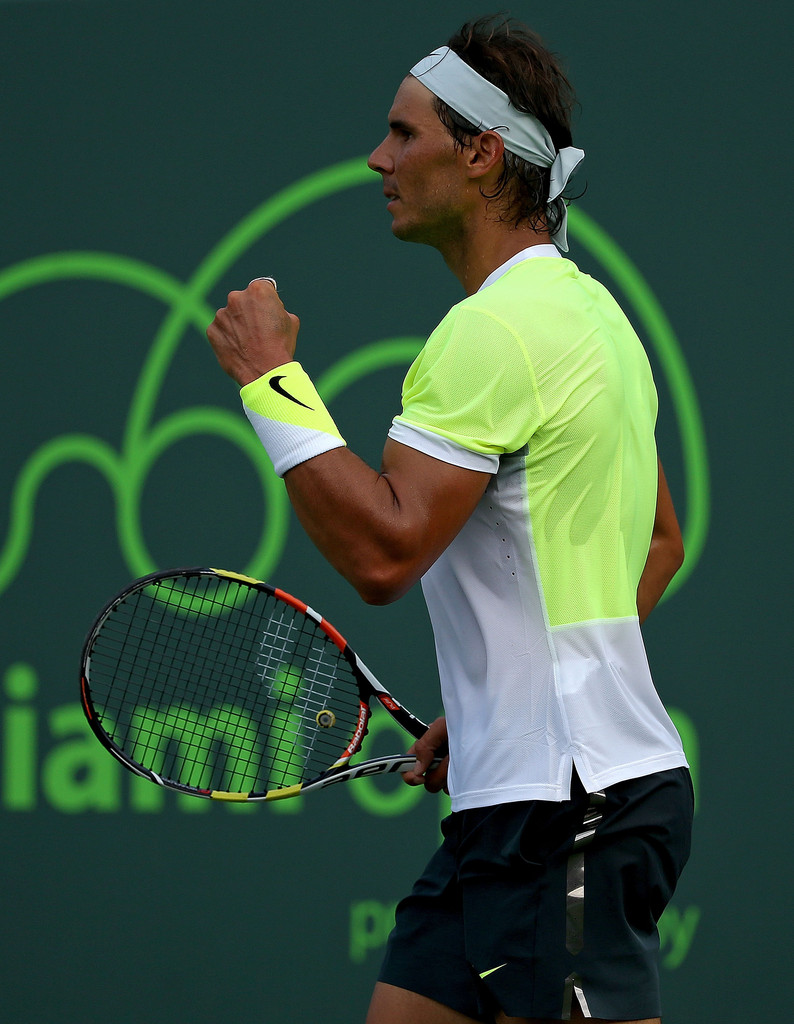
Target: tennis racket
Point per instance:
(218, 685)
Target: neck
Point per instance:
(476, 253)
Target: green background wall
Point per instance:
(146, 150)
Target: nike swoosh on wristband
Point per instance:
(486, 973)
(275, 384)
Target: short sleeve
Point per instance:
(473, 384)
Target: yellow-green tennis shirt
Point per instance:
(540, 380)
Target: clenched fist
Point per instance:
(253, 333)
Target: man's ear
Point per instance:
(485, 154)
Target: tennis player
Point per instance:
(520, 484)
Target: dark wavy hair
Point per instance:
(513, 57)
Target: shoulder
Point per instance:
(472, 340)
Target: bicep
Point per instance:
(383, 530)
(435, 497)
(666, 553)
(666, 521)
(433, 500)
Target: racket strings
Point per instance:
(301, 671)
(219, 686)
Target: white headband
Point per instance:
(486, 107)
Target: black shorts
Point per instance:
(528, 906)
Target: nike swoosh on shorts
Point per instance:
(486, 973)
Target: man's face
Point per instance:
(423, 175)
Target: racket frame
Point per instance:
(340, 771)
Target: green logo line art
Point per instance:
(144, 441)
